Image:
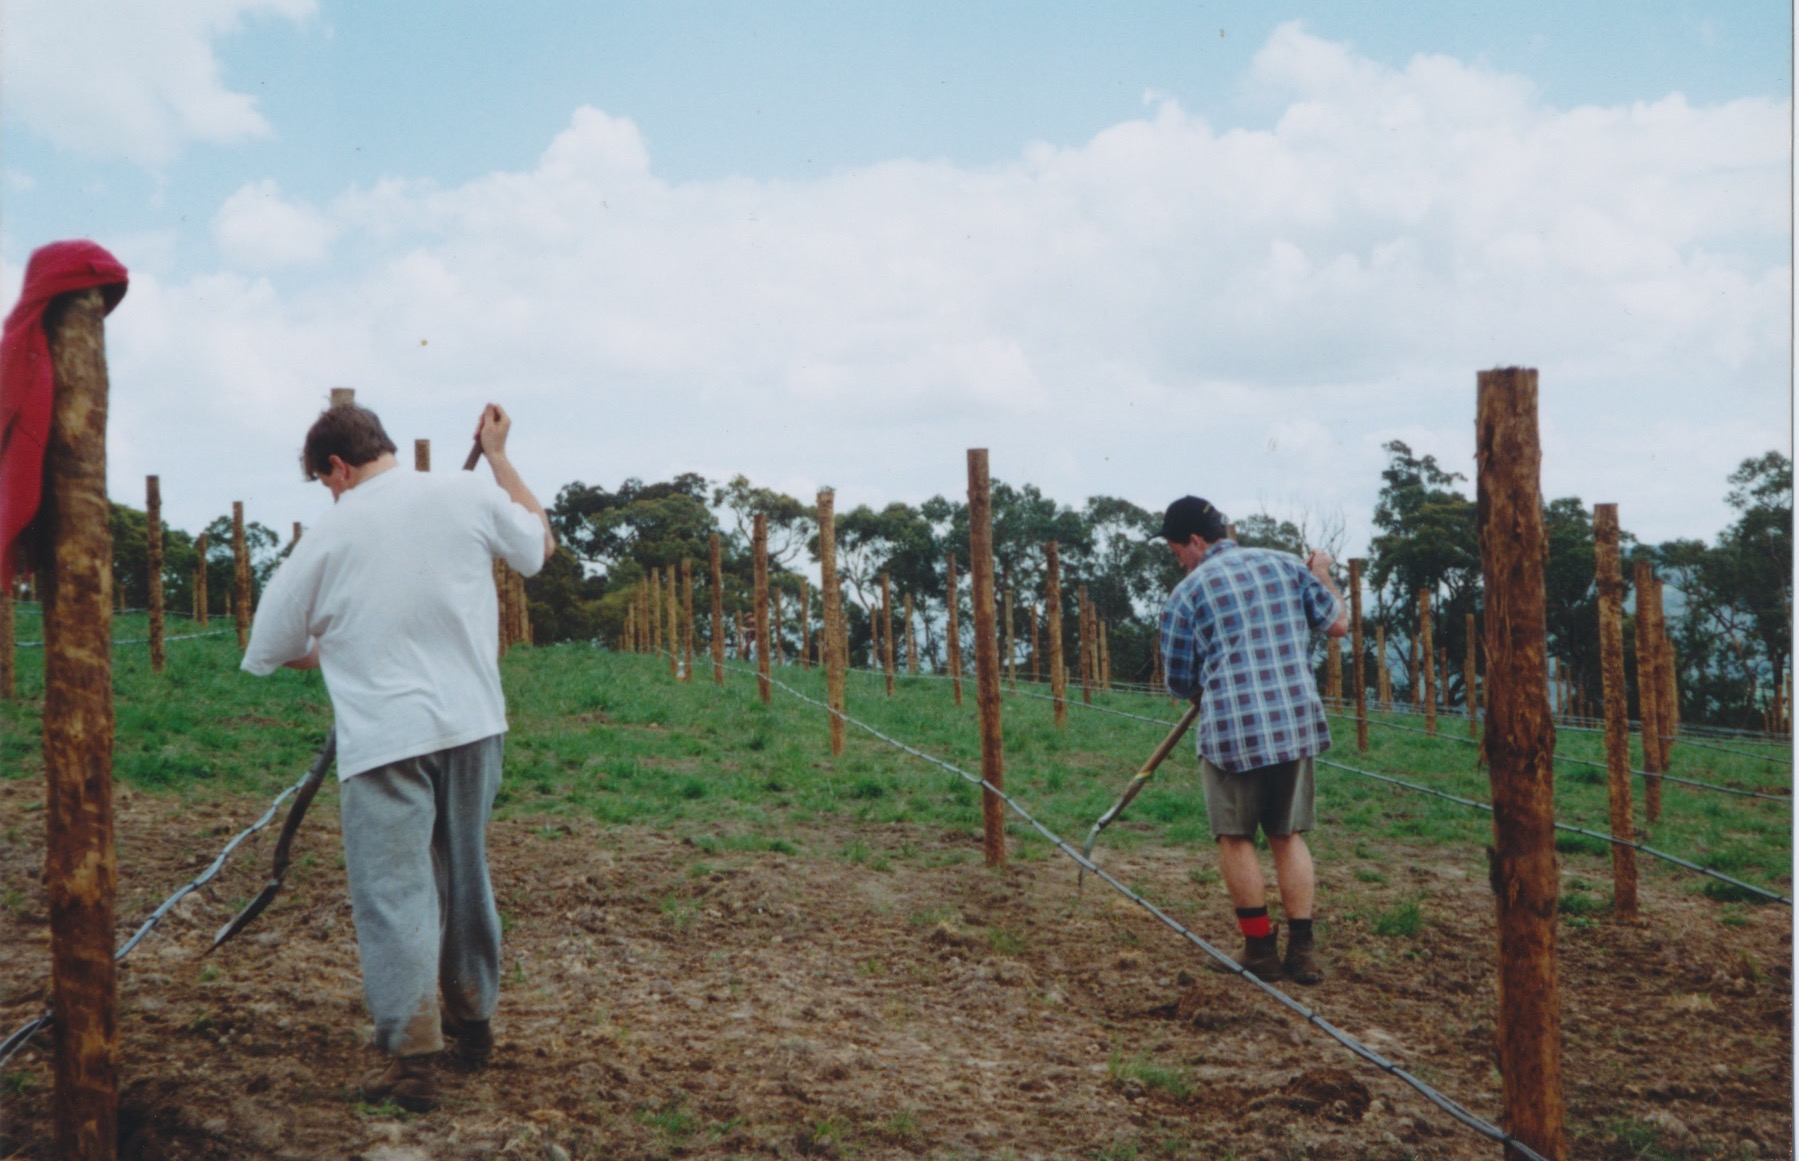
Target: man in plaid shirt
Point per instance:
(1236, 634)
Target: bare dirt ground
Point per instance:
(874, 997)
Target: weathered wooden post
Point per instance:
(1610, 580)
(656, 614)
(343, 396)
(1052, 615)
(1011, 653)
(887, 631)
(1519, 746)
(715, 564)
(1649, 625)
(954, 647)
(1383, 679)
(421, 455)
(1036, 664)
(80, 864)
(759, 559)
(1333, 673)
(674, 625)
(686, 618)
(200, 602)
(1088, 656)
(1105, 659)
(833, 614)
(1470, 681)
(1429, 660)
(986, 657)
(1670, 691)
(805, 623)
(240, 559)
(774, 625)
(911, 639)
(153, 566)
(1360, 675)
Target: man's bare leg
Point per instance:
(1293, 872)
(1242, 872)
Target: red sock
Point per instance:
(1254, 922)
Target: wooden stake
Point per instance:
(240, 557)
(1416, 678)
(200, 602)
(153, 566)
(911, 639)
(80, 865)
(1011, 653)
(1649, 625)
(1429, 658)
(1052, 615)
(686, 618)
(805, 623)
(774, 625)
(1035, 666)
(833, 614)
(674, 625)
(1384, 692)
(1610, 581)
(759, 558)
(1087, 651)
(1333, 672)
(503, 598)
(986, 657)
(955, 635)
(887, 631)
(1360, 676)
(421, 455)
(1519, 748)
(343, 396)
(1105, 659)
(1669, 690)
(715, 563)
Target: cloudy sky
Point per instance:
(1135, 249)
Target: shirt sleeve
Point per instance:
(1179, 665)
(512, 531)
(281, 631)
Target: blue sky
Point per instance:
(1134, 249)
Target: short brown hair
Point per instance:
(351, 433)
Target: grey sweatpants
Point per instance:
(415, 848)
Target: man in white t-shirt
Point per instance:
(391, 595)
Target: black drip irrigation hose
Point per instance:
(18, 1039)
(1311, 1016)
(138, 640)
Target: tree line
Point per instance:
(1729, 603)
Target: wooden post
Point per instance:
(1649, 624)
(1617, 706)
(421, 455)
(911, 639)
(887, 631)
(805, 623)
(954, 648)
(1105, 659)
(153, 566)
(759, 558)
(1052, 615)
(1087, 651)
(1670, 692)
(656, 614)
(1470, 680)
(1333, 673)
(674, 625)
(240, 557)
(774, 625)
(833, 615)
(1415, 678)
(503, 597)
(1035, 665)
(343, 396)
(986, 657)
(1383, 679)
(1011, 653)
(80, 864)
(1429, 660)
(1359, 666)
(1519, 748)
(686, 618)
(718, 609)
(522, 601)
(630, 642)
(201, 603)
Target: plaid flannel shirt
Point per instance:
(1238, 628)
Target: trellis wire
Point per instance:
(1311, 1016)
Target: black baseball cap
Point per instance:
(1190, 516)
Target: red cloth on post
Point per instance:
(28, 381)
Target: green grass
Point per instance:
(1171, 1080)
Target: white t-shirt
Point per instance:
(396, 583)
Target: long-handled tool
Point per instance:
(315, 776)
(1138, 781)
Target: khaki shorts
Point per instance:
(1277, 798)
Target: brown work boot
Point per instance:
(1261, 956)
(407, 1081)
(1301, 965)
(474, 1041)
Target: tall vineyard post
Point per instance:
(1648, 704)
(686, 618)
(833, 615)
(153, 566)
(805, 623)
(1471, 679)
(718, 609)
(673, 604)
(955, 634)
(200, 610)
(1089, 655)
(1383, 694)
(887, 630)
(911, 639)
(986, 656)
(1052, 613)
(1360, 675)
(1668, 707)
(1011, 654)
(1428, 658)
(240, 575)
(1036, 652)
(80, 864)
(759, 559)
(1519, 748)
(775, 625)
(1609, 579)
(421, 455)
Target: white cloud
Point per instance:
(259, 229)
(1168, 307)
(136, 79)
